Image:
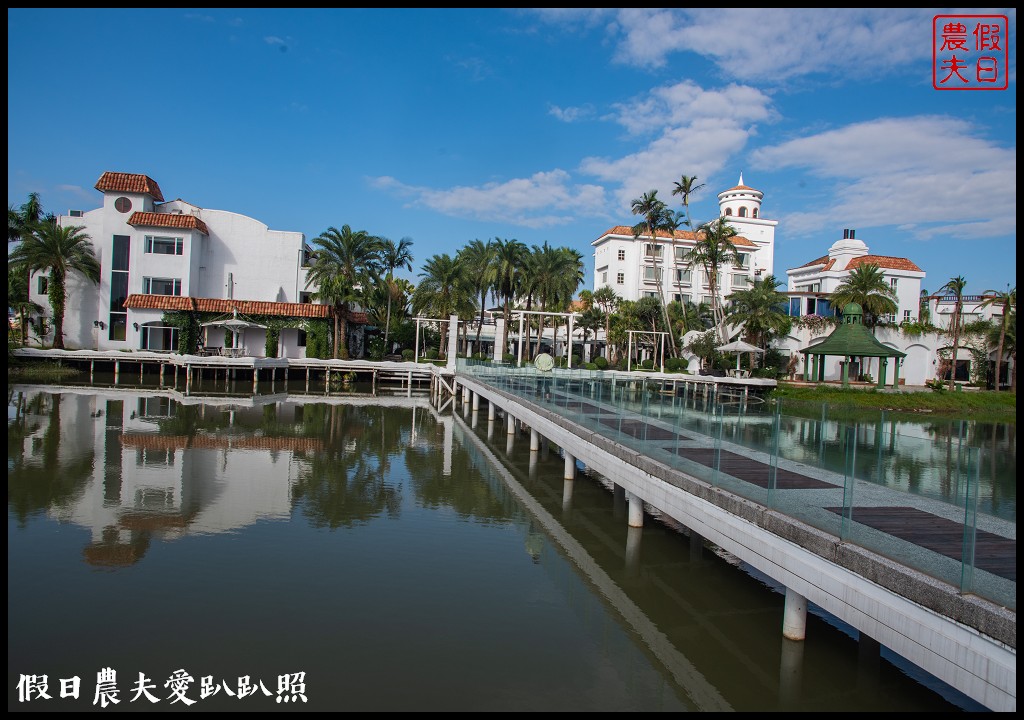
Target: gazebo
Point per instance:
(851, 339)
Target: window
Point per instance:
(684, 277)
(620, 278)
(652, 274)
(305, 297)
(682, 298)
(743, 212)
(794, 307)
(301, 342)
(906, 316)
(161, 286)
(728, 211)
(653, 250)
(44, 284)
(604, 278)
(740, 281)
(122, 204)
(754, 213)
(648, 293)
(681, 254)
(164, 245)
(743, 260)
(706, 299)
(622, 254)
(119, 258)
(159, 338)
(893, 282)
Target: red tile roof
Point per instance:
(884, 261)
(244, 307)
(679, 235)
(129, 182)
(742, 187)
(826, 261)
(168, 220)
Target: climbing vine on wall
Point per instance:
(318, 340)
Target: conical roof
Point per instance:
(852, 339)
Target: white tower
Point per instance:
(741, 206)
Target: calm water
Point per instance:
(400, 558)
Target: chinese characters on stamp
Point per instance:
(970, 52)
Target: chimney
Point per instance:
(846, 234)
(853, 234)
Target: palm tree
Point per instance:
(712, 249)
(656, 216)
(392, 258)
(477, 259)
(59, 251)
(509, 260)
(760, 309)
(345, 263)
(608, 300)
(18, 298)
(955, 287)
(1005, 301)
(444, 291)
(685, 188)
(866, 286)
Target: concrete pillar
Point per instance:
(534, 440)
(465, 394)
(567, 486)
(255, 380)
(117, 371)
(636, 510)
(453, 341)
(490, 429)
(92, 368)
(499, 330)
(476, 401)
(794, 616)
(162, 368)
(510, 423)
(307, 379)
(533, 464)
(570, 467)
(490, 412)
(510, 441)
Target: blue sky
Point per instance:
(446, 126)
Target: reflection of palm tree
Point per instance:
(43, 481)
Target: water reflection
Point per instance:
(373, 544)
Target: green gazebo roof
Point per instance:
(852, 339)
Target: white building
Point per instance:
(810, 285)
(635, 267)
(158, 255)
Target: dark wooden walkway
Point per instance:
(750, 470)
(994, 554)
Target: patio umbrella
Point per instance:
(235, 324)
(738, 346)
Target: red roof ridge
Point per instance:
(129, 182)
(168, 220)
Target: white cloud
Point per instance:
(571, 114)
(695, 131)
(768, 44)
(78, 191)
(933, 175)
(542, 200)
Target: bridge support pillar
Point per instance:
(476, 402)
(794, 616)
(534, 440)
(636, 510)
(570, 466)
(567, 486)
(510, 424)
(490, 412)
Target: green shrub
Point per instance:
(508, 359)
(674, 364)
(408, 354)
(646, 365)
(591, 366)
(431, 354)
(601, 362)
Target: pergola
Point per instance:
(851, 339)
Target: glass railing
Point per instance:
(920, 501)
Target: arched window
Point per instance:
(728, 211)
(754, 212)
(743, 212)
